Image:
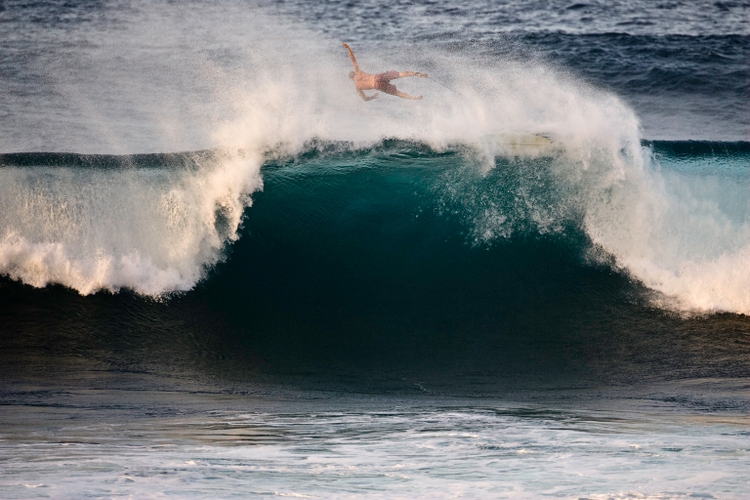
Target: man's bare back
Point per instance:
(381, 81)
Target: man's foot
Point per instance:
(423, 75)
(418, 98)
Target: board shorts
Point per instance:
(383, 81)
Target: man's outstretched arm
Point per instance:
(351, 56)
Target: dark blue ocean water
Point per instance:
(226, 275)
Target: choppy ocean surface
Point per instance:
(223, 274)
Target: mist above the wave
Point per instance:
(158, 77)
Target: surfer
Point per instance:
(381, 81)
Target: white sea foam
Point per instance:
(685, 236)
(376, 449)
(152, 231)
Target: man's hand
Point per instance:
(423, 75)
(373, 96)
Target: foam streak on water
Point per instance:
(314, 450)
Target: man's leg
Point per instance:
(400, 94)
(402, 74)
(391, 89)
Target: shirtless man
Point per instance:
(381, 81)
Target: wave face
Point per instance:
(673, 216)
(396, 262)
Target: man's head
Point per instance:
(351, 75)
